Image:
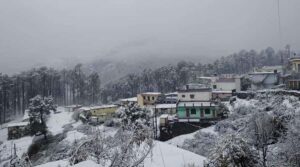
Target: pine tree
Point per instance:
(38, 109)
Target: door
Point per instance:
(187, 112)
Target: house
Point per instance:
(72, 108)
(195, 104)
(264, 80)
(125, 102)
(101, 113)
(225, 82)
(17, 130)
(196, 111)
(148, 98)
(293, 80)
(295, 63)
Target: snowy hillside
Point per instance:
(162, 155)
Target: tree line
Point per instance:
(67, 87)
(170, 77)
(74, 86)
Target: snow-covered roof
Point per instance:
(165, 106)
(84, 108)
(221, 91)
(132, 99)
(72, 106)
(151, 93)
(104, 106)
(172, 93)
(198, 103)
(17, 124)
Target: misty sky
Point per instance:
(56, 32)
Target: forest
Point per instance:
(75, 86)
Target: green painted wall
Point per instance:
(181, 112)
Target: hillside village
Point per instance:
(195, 112)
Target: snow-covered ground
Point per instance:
(6, 149)
(57, 120)
(164, 155)
(179, 140)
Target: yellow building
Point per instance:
(149, 98)
(295, 61)
(104, 112)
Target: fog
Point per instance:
(61, 32)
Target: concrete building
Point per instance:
(195, 104)
(295, 62)
(227, 84)
(148, 98)
(194, 92)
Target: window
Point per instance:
(214, 86)
(144, 97)
(148, 98)
(183, 96)
(193, 111)
(152, 98)
(192, 96)
(298, 67)
(207, 111)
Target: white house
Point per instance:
(224, 82)
(227, 84)
(263, 80)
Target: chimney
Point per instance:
(187, 86)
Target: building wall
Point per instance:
(146, 99)
(221, 96)
(295, 65)
(198, 96)
(104, 112)
(200, 112)
(294, 85)
(228, 86)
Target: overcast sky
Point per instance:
(37, 32)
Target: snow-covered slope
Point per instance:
(164, 155)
